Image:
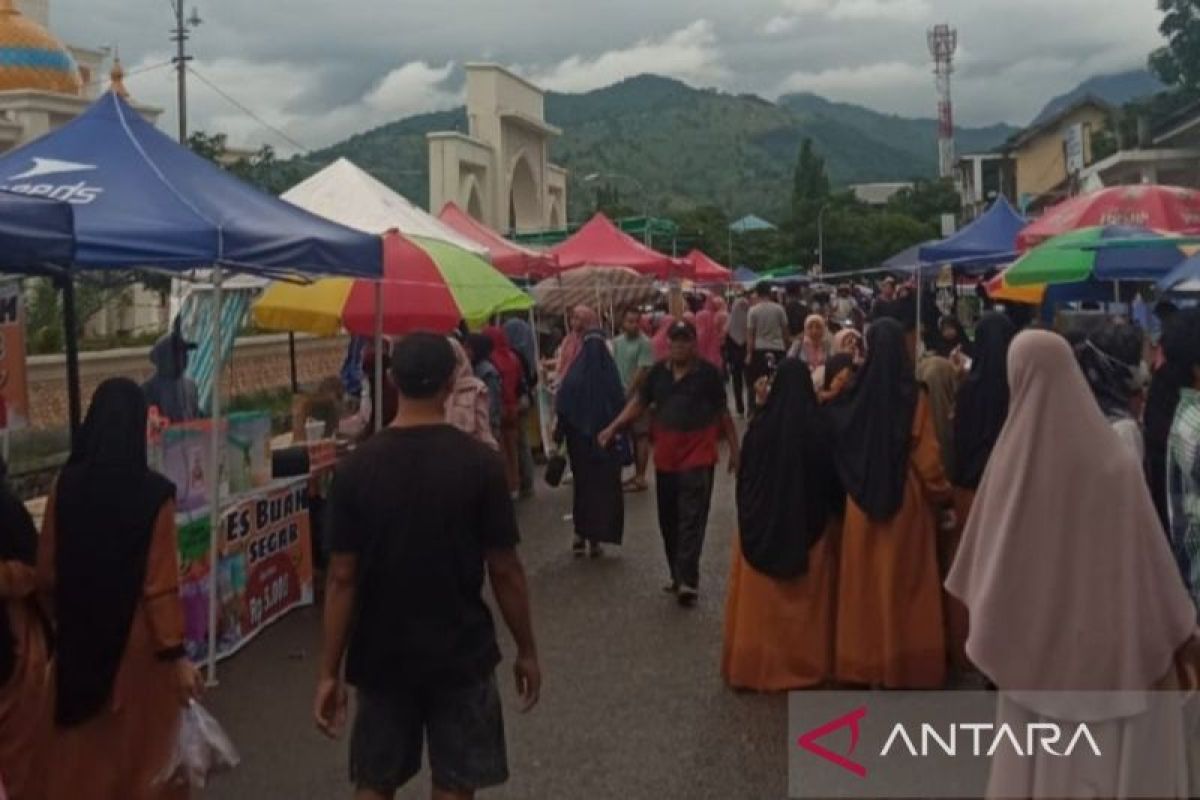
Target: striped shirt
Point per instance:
(1183, 488)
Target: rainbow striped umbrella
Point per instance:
(427, 285)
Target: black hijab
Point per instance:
(873, 423)
(591, 395)
(943, 346)
(18, 542)
(836, 363)
(106, 502)
(787, 484)
(982, 404)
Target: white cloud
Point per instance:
(858, 82)
(273, 92)
(690, 54)
(802, 7)
(874, 10)
(777, 26)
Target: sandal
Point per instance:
(634, 486)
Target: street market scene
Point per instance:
(732, 404)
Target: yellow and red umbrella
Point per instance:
(427, 285)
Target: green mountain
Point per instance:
(915, 137)
(1118, 89)
(689, 147)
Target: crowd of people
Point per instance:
(909, 512)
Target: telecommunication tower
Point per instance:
(943, 41)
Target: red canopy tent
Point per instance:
(706, 270)
(512, 259)
(1172, 209)
(600, 243)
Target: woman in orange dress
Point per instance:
(108, 566)
(889, 610)
(23, 652)
(779, 624)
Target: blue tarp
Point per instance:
(34, 233)
(745, 275)
(988, 240)
(1184, 279)
(907, 260)
(142, 200)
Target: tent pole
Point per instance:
(292, 360)
(214, 479)
(920, 338)
(377, 383)
(543, 411)
(70, 337)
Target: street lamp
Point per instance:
(595, 176)
(821, 238)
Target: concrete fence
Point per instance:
(259, 364)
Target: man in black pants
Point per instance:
(735, 350)
(767, 338)
(420, 515)
(690, 413)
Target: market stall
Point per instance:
(141, 201)
(514, 260)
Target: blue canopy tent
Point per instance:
(140, 200)
(989, 240)
(908, 260)
(35, 234)
(745, 276)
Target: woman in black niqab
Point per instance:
(982, 404)
(106, 502)
(787, 485)
(873, 423)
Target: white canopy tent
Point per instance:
(345, 193)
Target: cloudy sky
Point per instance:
(322, 69)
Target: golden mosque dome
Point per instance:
(32, 58)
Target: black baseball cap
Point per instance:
(682, 330)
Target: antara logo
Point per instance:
(975, 739)
(80, 193)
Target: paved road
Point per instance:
(633, 705)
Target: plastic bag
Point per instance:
(202, 748)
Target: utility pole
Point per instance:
(180, 36)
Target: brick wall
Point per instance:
(259, 363)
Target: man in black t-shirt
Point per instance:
(419, 514)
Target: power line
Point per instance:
(139, 71)
(302, 148)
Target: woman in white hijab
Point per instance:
(1071, 587)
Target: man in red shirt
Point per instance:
(690, 414)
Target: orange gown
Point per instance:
(957, 624)
(890, 630)
(779, 633)
(121, 752)
(23, 699)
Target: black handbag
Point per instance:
(556, 467)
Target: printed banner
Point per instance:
(14, 389)
(264, 570)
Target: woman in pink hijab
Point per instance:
(1071, 585)
(709, 335)
(660, 344)
(583, 319)
(467, 407)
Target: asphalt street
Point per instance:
(633, 705)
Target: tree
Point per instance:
(927, 200)
(810, 191)
(1177, 64)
